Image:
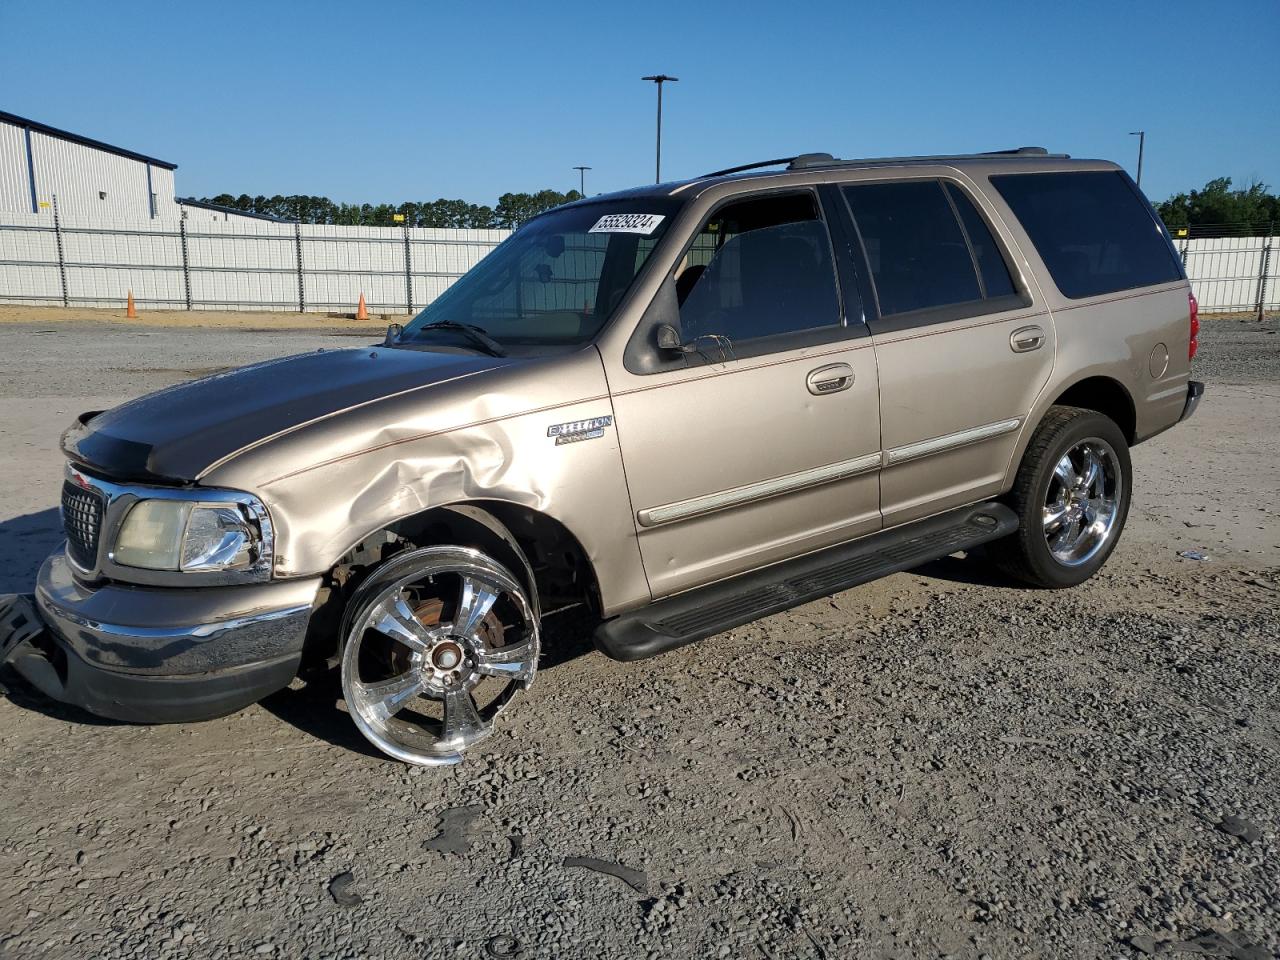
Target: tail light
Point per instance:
(1194, 344)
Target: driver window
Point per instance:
(758, 268)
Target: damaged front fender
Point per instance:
(496, 436)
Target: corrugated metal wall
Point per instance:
(80, 175)
(166, 193)
(192, 213)
(15, 187)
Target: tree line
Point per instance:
(1214, 210)
(511, 210)
(1218, 211)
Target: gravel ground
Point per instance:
(937, 764)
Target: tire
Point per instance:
(1067, 529)
(436, 643)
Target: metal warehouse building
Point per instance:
(90, 178)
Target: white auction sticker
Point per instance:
(644, 223)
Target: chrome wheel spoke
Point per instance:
(1067, 535)
(394, 618)
(516, 662)
(475, 600)
(462, 720)
(1065, 472)
(1091, 475)
(386, 698)
(1054, 514)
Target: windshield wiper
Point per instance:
(477, 335)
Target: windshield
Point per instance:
(556, 280)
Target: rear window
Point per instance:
(1092, 230)
(915, 248)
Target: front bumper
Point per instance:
(162, 655)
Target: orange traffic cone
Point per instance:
(130, 310)
(362, 312)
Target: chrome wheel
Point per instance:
(1083, 502)
(434, 654)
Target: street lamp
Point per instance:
(1142, 140)
(582, 179)
(659, 79)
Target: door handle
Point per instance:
(1026, 339)
(832, 378)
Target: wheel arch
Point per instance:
(1104, 395)
(539, 549)
(1098, 392)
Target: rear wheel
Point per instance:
(438, 643)
(1072, 495)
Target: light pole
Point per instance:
(1142, 141)
(582, 179)
(659, 79)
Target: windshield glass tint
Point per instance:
(558, 278)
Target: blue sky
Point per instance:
(368, 101)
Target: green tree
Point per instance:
(1217, 210)
(512, 210)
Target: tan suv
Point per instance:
(684, 406)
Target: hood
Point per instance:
(178, 433)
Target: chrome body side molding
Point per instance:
(925, 448)
(763, 489)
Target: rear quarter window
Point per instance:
(1092, 230)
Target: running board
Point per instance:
(705, 611)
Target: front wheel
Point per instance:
(437, 643)
(1072, 496)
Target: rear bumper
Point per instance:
(163, 655)
(1195, 390)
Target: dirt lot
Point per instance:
(939, 764)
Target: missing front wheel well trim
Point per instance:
(539, 549)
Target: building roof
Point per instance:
(44, 128)
(219, 208)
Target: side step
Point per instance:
(705, 611)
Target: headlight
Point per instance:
(194, 537)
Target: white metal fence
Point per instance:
(211, 265)
(1233, 274)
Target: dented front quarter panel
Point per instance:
(485, 437)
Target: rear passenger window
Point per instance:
(759, 268)
(917, 253)
(994, 272)
(1092, 230)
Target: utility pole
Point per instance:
(582, 179)
(659, 79)
(1142, 140)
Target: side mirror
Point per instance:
(668, 338)
(393, 335)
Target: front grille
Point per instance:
(82, 519)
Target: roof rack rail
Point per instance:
(756, 166)
(805, 161)
(825, 160)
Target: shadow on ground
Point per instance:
(974, 568)
(24, 543)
